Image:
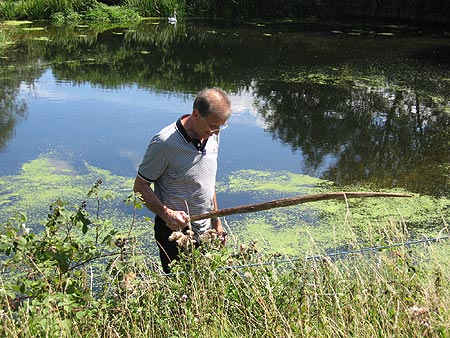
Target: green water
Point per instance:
(317, 108)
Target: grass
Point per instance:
(73, 11)
(397, 292)
(87, 276)
(65, 11)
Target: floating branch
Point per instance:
(284, 202)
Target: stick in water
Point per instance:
(284, 202)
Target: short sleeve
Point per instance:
(154, 162)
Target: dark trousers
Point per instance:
(168, 250)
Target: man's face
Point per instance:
(210, 125)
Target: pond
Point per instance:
(316, 107)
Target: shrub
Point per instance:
(70, 17)
(47, 288)
(102, 12)
(48, 273)
(82, 6)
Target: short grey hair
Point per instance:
(213, 101)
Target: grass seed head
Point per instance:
(209, 236)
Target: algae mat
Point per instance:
(301, 229)
(326, 225)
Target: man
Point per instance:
(181, 162)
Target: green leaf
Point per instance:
(85, 228)
(7, 293)
(43, 323)
(22, 287)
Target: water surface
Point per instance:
(357, 106)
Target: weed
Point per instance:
(81, 277)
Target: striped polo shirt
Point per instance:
(183, 171)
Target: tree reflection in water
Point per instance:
(362, 107)
(385, 137)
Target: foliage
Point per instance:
(411, 11)
(69, 17)
(74, 12)
(8, 10)
(65, 11)
(148, 8)
(103, 12)
(38, 9)
(79, 277)
(254, 9)
(48, 275)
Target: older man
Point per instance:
(181, 163)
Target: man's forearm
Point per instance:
(174, 219)
(149, 197)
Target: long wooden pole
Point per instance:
(284, 202)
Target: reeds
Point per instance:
(158, 8)
(69, 9)
(398, 292)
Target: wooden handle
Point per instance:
(284, 202)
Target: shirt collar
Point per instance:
(196, 142)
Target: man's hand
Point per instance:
(176, 220)
(216, 224)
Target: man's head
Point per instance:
(213, 101)
(212, 107)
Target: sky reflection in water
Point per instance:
(111, 128)
(356, 110)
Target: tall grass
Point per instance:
(8, 10)
(149, 8)
(65, 10)
(401, 292)
(38, 9)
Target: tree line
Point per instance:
(404, 11)
(394, 11)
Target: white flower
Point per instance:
(25, 230)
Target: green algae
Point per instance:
(280, 181)
(343, 76)
(42, 38)
(33, 28)
(15, 23)
(46, 179)
(271, 240)
(326, 225)
(306, 228)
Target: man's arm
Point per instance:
(175, 220)
(216, 223)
